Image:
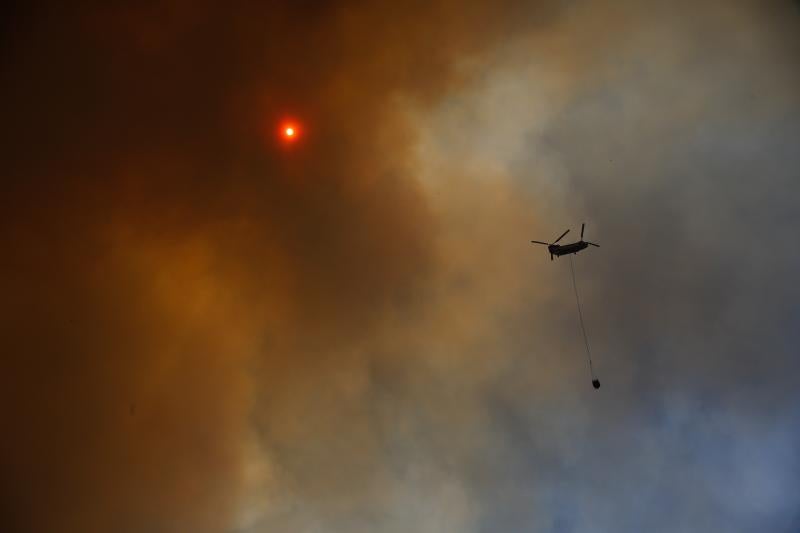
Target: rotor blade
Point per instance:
(582, 226)
(593, 244)
(562, 236)
(540, 242)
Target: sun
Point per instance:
(289, 131)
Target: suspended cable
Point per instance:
(595, 381)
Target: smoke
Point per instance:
(672, 133)
(205, 331)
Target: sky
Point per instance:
(208, 328)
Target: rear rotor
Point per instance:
(583, 226)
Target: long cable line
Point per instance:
(595, 381)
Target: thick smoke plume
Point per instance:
(205, 330)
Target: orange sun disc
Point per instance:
(289, 131)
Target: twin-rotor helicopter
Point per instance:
(563, 249)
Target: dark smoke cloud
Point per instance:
(204, 331)
(172, 274)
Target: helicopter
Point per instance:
(563, 249)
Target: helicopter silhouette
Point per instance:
(563, 249)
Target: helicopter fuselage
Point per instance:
(573, 248)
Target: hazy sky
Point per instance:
(207, 329)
